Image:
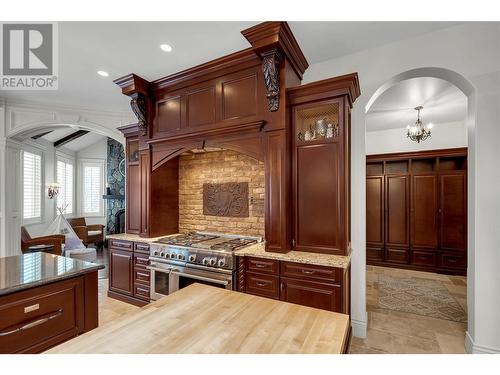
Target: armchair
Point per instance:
(92, 233)
(54, 240)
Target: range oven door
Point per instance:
(181, 277)
(160, 280)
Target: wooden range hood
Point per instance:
(244, 102)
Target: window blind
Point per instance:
(65, 181)
(32, 185)
(92, 189)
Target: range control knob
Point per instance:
(155, 253)
(192, 258)
(172, 256)
(221, 263)
(206, 261)
(181, 257)
(213, 261)
(162, 254)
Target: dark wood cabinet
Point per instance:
(121, 271)
(311, 285)
(416, 210)
(312, 294)
(129, 278)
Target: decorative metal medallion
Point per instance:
(139, 106)
(225, 199)
(271, 68)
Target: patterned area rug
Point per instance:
(419, 296)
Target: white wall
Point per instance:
(473, 51)
(449, 135)
(99, 152)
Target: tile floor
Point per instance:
(395, 332)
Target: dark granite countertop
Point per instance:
(34, 269)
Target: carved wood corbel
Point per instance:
(271, 68)
(140, 108)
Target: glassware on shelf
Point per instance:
(321, 127)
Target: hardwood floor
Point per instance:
(391, 331)
(109, 308)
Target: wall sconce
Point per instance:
(53, 190)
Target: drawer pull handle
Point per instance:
(451, 260)
(307, 272)
(260, 265)
(33, 323)
(260, 283)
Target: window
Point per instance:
(32, 187)
(92, 188)
(65, 181)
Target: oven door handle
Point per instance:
(201, 278)
(164, 270)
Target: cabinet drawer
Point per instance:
(141, 247)
(48, 314)
(262, 285)
(262, 265)
(423, 258)
(310, 271)
(141, 291)
(450, 260)
(142, 276)
(141, 260)
(397, 255)
(122, 245)
(375, 253)
(312, 294)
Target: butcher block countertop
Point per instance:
(258, 251)
(205, 319)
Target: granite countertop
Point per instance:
(29, 270)
(132, 237)
(258, 250)
(204, 319)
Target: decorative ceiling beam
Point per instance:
(41, 135)
(69, 138)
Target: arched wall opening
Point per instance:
(469, 91)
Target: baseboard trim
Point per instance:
(359, 327)
(472, 348)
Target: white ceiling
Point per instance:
(77, 144)
(121, 48)
(394, 109)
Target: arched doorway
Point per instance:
(468, 90)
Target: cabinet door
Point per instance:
(375, 210)
(424, 208)
(121, 271)
(453, 211)
(312, 294)
(133, 208)
(144, 162)
(397, 210)
(318, 198)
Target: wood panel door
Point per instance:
(318, 198)
(397, 206)
(312, 294)
(121, 270)
(453, 211)
(424, 208)
(133, 207)
(375, 210)
(145, 172)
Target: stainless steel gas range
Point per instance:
(208, 258)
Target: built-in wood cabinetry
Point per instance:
(416, 210)
(316, 286)
(129, 279)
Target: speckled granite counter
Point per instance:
(34, 269)
(132, 237)
(258, 251)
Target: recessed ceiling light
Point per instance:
(166, 47)
(102, 73)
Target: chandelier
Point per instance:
(418, 132)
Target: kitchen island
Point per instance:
(45, 299)
(205, 319)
